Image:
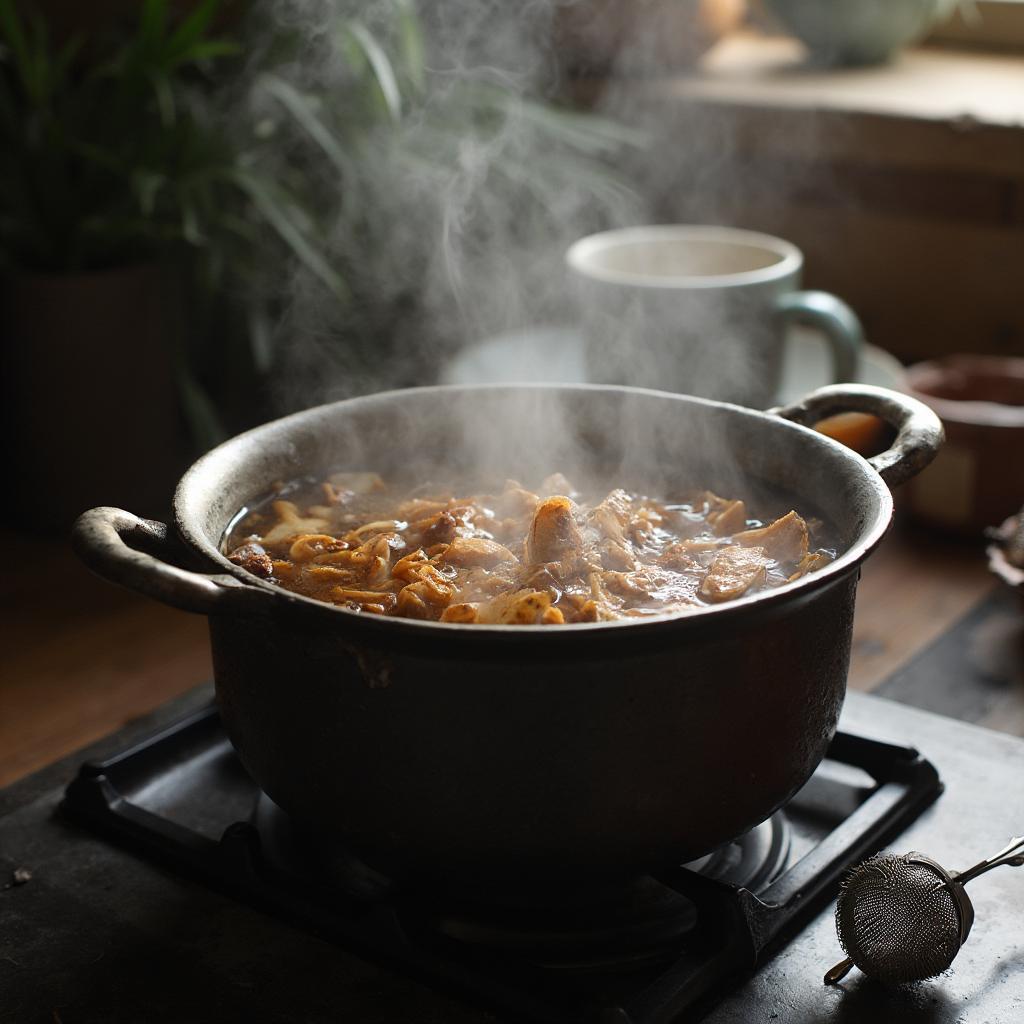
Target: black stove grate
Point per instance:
(182, 798)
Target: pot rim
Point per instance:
(208, 465)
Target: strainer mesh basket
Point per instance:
(893, 921)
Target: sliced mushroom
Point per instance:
(554, 534)
(611, 516)
(523, 608)
(734, 571)
(469, 551)
(811, 562)
(290, 523)
(357, 483)
(729, 519)
(785, 540)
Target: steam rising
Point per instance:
(451, 216)
(452, 226)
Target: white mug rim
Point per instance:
(578, 254)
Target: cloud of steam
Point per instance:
(448, 220)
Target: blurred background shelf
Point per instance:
(903, 183)
(923, 83)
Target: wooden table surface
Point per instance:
(82, 658)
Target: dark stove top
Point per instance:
(102, 934)
(643, 951)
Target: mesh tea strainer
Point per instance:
(903, 917)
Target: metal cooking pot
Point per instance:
(493, 754)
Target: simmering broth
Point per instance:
(509, 554)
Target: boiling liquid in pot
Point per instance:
(510, 555)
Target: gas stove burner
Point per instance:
(639, 922)
(754, 860)
(644, 921)
(750, 862)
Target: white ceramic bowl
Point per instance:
(852, 32)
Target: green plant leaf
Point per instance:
(301, 109)
(191, 30)
(201, 414)
(410, 43)
(380, 65)
(148, 185)
(207, 49)
(152, 23)
(191, 219)
(286, 219)
(163, 91)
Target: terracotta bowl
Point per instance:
(978, 478)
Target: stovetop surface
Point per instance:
(642, 951)
(99, 934)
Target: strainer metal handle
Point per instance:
(1012, 855)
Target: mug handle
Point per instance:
(837, 322)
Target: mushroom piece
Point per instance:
(554, 534)
(441, 529)
(468, 551)
(785, 540)
(357, 483)
(368, 600)
(310, 547)
(811, 562)
(734, 571)
(522, 608)
(611, 515)
(732, 516)
(290, 523)
(421, 600)
(464, 613)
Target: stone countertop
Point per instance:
(98, 935)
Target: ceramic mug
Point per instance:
(701, 310)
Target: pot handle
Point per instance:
(919, 433)
(125, 549)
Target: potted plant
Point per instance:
(119, 189)
(183, 229)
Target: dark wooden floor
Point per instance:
(82, 658)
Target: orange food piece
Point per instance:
(862, 432)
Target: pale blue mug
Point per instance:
(701, 310)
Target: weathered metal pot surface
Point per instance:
(520, 765)
(496, 754)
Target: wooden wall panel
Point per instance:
(919, 225)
